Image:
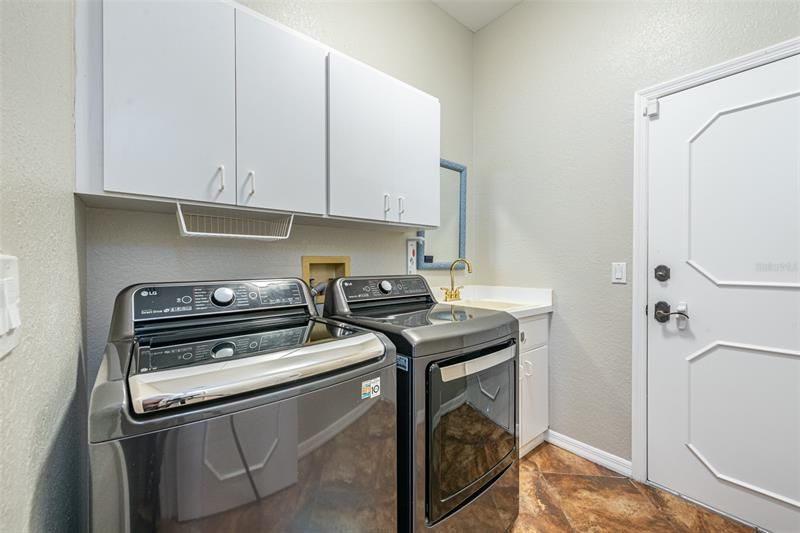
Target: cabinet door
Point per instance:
(418, 189)
(384, 143)
(169, 99)
(533, 404)
(280, 129)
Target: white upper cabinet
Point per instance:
(169, 110)
(383, 146)
(281, 122)
(209, 102)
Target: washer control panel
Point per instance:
(359, 289)
(221, 349)
(183, 300)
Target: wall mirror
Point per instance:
(439, 247)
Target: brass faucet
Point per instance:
(454, 293)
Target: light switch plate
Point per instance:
(619, 273)
(411, 256)
(10, 320)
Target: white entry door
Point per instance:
(724, 217)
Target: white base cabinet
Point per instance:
(533, 391)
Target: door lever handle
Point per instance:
(663, 312)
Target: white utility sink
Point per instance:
(489, 304)
(519, 301)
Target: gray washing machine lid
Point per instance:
(168, 374)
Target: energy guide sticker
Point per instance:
(371, 388)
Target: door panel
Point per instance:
(724, 393)
(736, 168)
(280, 88)
(169, 99)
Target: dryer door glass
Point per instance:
(471, 425)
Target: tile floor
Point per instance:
(561, 492)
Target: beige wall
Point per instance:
(413, 41)
(554, 85)
(550, 196)
(39, 412)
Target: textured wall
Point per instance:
(554, 85)
(414, 41)
(39, 411)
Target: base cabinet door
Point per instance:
(525, 404)
(383, 146)
(533, 392)
(539, 383)
(169, 121)
(280, 128)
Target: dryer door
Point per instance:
(471, 425)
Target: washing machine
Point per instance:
(233, 406)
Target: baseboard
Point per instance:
(610, 461)
(527, 448)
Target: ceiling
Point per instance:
(475, 14)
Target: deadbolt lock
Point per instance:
(662, 272)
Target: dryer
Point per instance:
(457, 401)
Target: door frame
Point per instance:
(645, 107)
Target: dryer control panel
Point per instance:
(360, 289)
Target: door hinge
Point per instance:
(651, 108)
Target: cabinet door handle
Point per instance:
(530, 366)
(252, 177)
(221, 172)
(387, 202)
(401, 205)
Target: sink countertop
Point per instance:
(521, 302)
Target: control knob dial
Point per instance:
(223, 350)
(223, 296)
(385, 286)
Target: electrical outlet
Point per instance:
(619, 273)
(411, 256)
